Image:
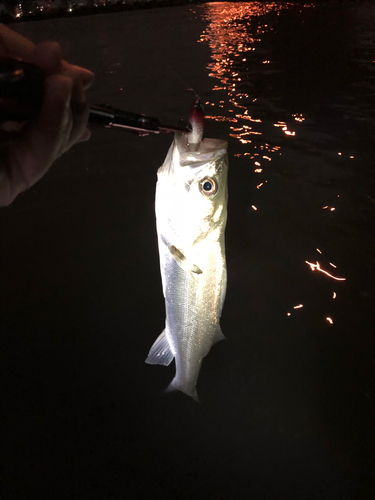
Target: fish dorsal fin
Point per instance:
(160, 352)
(183, 262)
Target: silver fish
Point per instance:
(191, 214)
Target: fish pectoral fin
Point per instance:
(160, 352)
(218, 335)
(183, 262)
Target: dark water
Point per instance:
(288, 399)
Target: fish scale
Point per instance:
(191, 213)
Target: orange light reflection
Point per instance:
(221, 118)
(316, 267)
(232, 33)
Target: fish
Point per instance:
(191, 214)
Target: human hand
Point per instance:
(61, 123)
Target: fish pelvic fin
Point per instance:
(183, 262)
(175, 385)
(160, 352)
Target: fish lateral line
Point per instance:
(182, 261)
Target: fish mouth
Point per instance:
(208, 150)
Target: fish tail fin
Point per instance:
(160, 352)
(175, 385)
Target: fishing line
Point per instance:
(185, 83)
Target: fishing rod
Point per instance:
(22, 94)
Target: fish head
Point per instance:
(192, 192)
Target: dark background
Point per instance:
(287, 402)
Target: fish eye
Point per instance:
(209, 187)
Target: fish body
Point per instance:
(191, 214)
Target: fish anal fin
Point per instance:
(218, 335)
(160, 352)
(183, 262)
(223, 289)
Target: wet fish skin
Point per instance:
(190, 227)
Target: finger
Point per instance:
(47, 56)
(12, 181)
(77, 72)
(49, 135)
(85, 136)
(80, 114)
(67, 133)
(14, 45)
(54, 112)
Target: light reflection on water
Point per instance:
(233, 34)
(261, 126)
